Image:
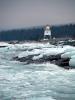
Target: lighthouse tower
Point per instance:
(47, 33)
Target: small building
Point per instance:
(47, 33)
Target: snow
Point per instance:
(37, 57)
(69, 48)
(27, 53)
(38, 50)
(33, 45)
(69, 52)
(42, 51)
(4, 44)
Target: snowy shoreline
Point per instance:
(39, 52)
(38, 76)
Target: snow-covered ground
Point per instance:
(42, 81)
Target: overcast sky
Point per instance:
(28, 13)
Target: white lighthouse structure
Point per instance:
(47, 33)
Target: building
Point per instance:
(47, 33)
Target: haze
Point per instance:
(28, 13)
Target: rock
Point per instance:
(23, 59)
(55, 59)
(63, 62)
(3, 46)
(43, 59)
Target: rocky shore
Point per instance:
(38, 52)
(54, 59)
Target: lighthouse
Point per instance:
(47, 33)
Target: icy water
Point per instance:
(21, 81)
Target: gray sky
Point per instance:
(27, 13)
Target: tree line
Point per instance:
(37, 33)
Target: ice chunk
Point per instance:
(3, 44)
(73, 57)
(72, 63)
(27, 53)
(37, 57)
(68, 54)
